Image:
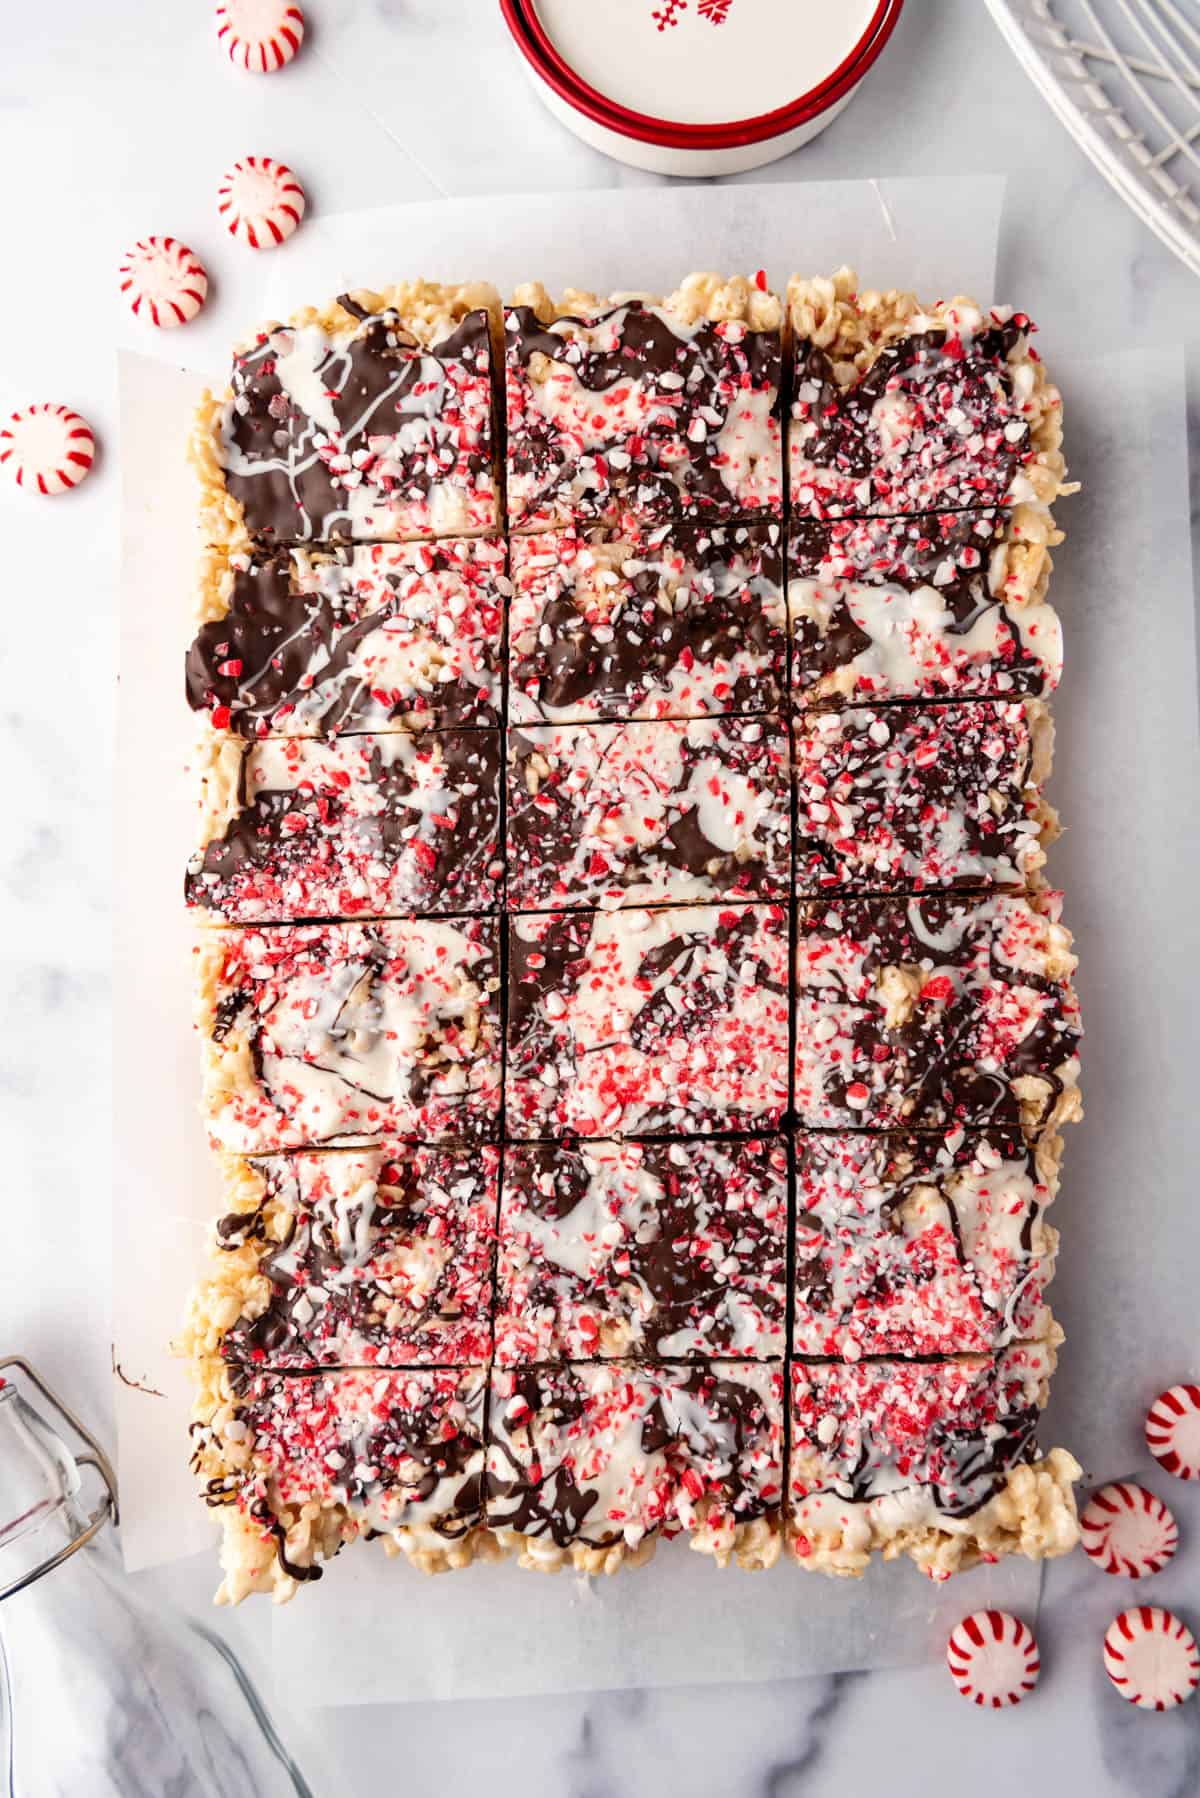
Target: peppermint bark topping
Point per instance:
(309, 643)
(367, 825)
(361, 431)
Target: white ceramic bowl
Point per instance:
(698, 87)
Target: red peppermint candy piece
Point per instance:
(260, 35)
(46, 447)
(1173, 1431)
(993, 1658)
(1127, 1530)
(1151, 1658)
(163, 281)
(260, 201)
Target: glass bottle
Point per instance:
(100, 1692)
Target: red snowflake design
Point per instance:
(670, 13)
(715, 11)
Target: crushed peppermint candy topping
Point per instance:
(364, 825)
(670, 1020)
(654, 1249)
(633, 408)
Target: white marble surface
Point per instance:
(115, 121)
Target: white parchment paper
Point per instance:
(1125, 780)
(1127, 783)
(934, 236)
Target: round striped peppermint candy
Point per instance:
(993, 1658)
(1151, 1658)
(1173, 1431)
(1127, 1530)
(260, 35)
(163, 281)
(260, 202)
(47, 448)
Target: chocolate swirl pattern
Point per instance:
(658, 410)
(650, 1248)
(384, 636)
(361, 433)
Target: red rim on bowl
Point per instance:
(530, 37)
(678, 135)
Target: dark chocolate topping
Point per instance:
(647, 345)
(711, 1430)
(865, 1274)
(946, 551)
(657, 1022)
(703, 1246)
(310, 850)
(352, 967)
(378, 386)
(556, 959)
(544, 823)
(428, 1429)
(286, 650)
(709, 372)
(956, 1058)
(957, 401)
(338, 1292)
(914, 797)
(731, 621)
(955, 1429)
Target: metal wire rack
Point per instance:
(1124, 78)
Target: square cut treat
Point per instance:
(291, 828)
(651, 1249)
(652, 407)
(361, 1257)
(937, 1460)
(349, 1033)
(367, 419)
(588, 1465)
(917, 797)
(671, 1021)
(898, 409)
(298, 1465)
(922, 1245)
(305, 643)
(935, 1011)
(939, 606)
(676, 622)
(627, 814)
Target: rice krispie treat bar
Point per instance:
(360, 1257)
(655, 1250)
(511, 1257)
(679, 621)
(301, 643)
(897, 408)
(917, 797)
(671, 1021)
(627, 814)
(939, 606)
(937, 1460)
(922, 1245)
(588, 1465)
(369, 418)
(347, 1033)
(653, 407)
(292, 828)
(935, 1010)
(298, 1465)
